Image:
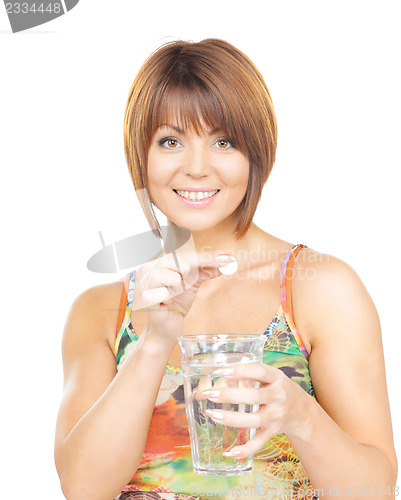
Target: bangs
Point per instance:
(193, 107)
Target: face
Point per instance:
(196, 181)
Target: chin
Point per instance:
(194, 227)
(199, 224)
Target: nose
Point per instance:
(197, 162)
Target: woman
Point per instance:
(199, 119)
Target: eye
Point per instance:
(224, 143)
(169, 142)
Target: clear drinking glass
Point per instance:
(201, 355)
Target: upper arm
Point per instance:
(88, 360)
(336, 313)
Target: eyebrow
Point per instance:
(182, 132)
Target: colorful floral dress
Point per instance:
(166, 468)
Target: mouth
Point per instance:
(196, 195)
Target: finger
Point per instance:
(155, 296)
(205, 267)
(251, 420)
(194, 267)
(164, 277)
(165, 273)
(208, 384)
(245, 395)
(181, 263)
(255, 444)
(257, 371)
(205, 383)
(220, 383)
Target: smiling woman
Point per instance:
(200, 139)
(210, 87)
(218, 175)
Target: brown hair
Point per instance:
(210, 81)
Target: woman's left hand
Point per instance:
(283, 404)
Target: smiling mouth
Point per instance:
(196, 196)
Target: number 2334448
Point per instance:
(40, 8)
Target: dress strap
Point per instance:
(286, 300)
(124, 313)
(123, 303)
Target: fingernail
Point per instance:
(225, 258)
(212, 394)
(232, 453)
(223, 371)
(216, 414)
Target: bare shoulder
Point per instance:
(322, 265)
(324, 288)
(334, 311)
(88, 358)
(95, 312)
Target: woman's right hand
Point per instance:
(167, 291)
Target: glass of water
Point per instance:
(201, 355)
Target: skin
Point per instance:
(206, 161)
(342, 439)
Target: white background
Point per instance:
(333, 72)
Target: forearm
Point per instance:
(105, 447)
(336, 462)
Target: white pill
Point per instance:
(229, 268)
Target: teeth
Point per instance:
(192, 195)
